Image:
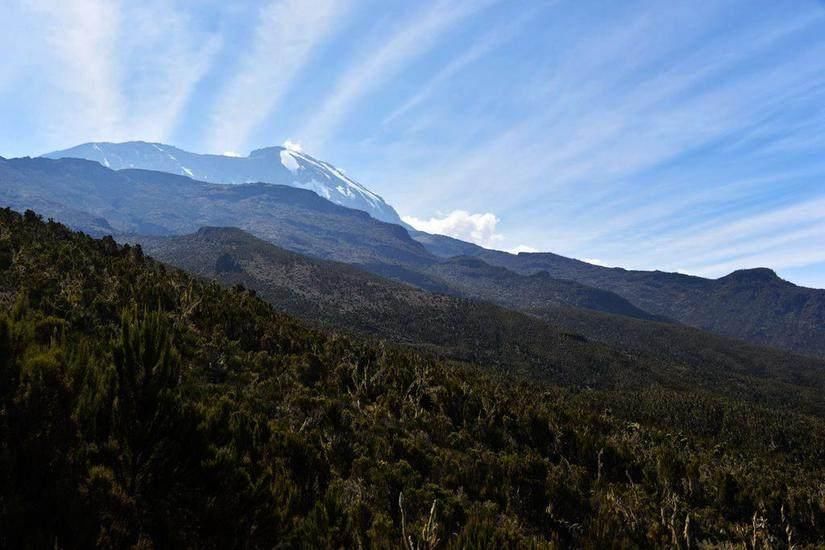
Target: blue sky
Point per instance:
(683, 136)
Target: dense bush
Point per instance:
(140, 407)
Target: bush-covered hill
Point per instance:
(141, 407)
(637, 354)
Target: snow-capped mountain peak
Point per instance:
(281, 165)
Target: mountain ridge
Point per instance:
(752, 306)
(79, 191)
(276, 164)
(141, 202)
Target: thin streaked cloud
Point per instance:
(79, 39)
(106, 70)
(415, 38)
(286, 34)
(487, 43)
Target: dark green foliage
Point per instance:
(142, 408)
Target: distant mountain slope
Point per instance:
(96, 199)
(757, 307)
(445, 247)
(538, 292)
(638, 353)
(270, 165)
(91, 197)
(754, 304)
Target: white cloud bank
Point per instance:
(476, 228)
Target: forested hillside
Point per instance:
(140, 406)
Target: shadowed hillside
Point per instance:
(753, 304)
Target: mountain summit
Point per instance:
(280, 165)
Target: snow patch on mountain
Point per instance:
(286, 165)
(289, 161)
(293, 146)
(333, 173)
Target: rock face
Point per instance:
(278, 165)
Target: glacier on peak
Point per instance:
(283, 165)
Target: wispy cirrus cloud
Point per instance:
(644, 137)
(166, 55)
(107, 70)
(601, 121)
(285, 36)
(785, 233)
(82, 36)
(414, 39)
(481, 47)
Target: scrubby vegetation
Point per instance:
(141, 407)
(561, 345)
